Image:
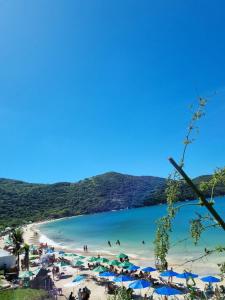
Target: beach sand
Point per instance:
(32, 235)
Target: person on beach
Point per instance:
(79, 294)
(71, 297)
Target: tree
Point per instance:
(26, 249)
(173, 191)
(17, 239)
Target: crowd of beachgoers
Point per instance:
(75, 276)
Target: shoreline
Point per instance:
(33, 235)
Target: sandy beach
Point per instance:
(33, 236)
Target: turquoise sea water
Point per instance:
(131, 227)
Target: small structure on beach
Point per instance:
(7, 260)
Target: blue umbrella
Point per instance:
(148, 269)
(78, 278)
(167, 291)
(107, 274)
(169, 273)
(122, 278)
(187, 275)
(139, 284)
(133, 268)
(210, 279)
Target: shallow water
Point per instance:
(131, 227)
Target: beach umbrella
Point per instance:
(36, 271)
(125, 264)
(33, 247)
(133, 268)
(26, 274)
(81, 257)
(169, 273)
(34, 256)
(167, 291)
(148, 269)
(186, 275)
(103, 260)
(70, 254)
(114, 263)
(122, 255)
(107, 274)
(76, 281)
(92, 259)
(140, 284)
(100, 269)
(122, 278)
(78, 278)
(50, 251)
(210, 279)
(77, 263)
(62, 264)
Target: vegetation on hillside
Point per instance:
(21, 202)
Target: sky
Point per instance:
(92, 86)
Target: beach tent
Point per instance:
(7, 259)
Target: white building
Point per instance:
(7, 259)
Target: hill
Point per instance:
(21, 202)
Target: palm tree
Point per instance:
(26, 249)
(17, 239)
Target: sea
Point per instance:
(135, 229)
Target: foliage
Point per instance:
(122, 294)
(26, 249)
(22, 202)
(24, 294)
(173, 192)
(16, 236)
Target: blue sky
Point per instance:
(91, 86)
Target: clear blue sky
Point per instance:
(93, 86)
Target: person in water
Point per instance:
(143, 242)
(109, 243)
(118, 242)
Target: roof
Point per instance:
(4, 253)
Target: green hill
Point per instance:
(21, 202)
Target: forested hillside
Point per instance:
(21, 202)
